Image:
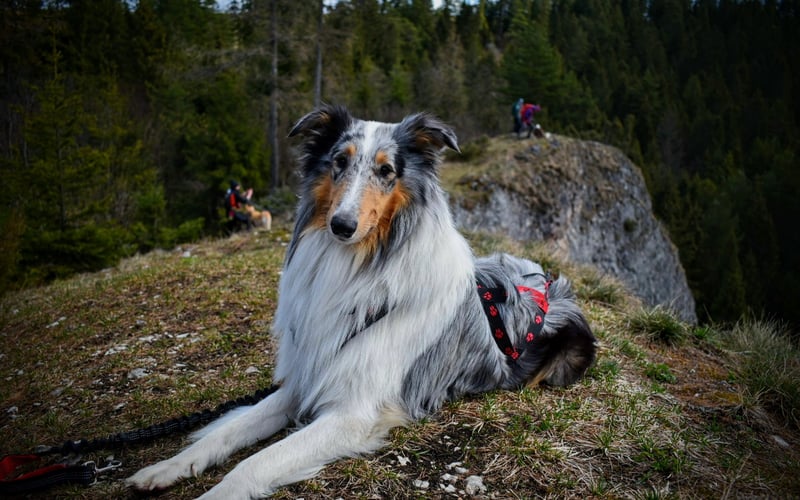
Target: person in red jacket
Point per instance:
(234, 206)
(527, 112)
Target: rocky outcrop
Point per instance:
(586, 198)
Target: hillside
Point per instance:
(662, 414)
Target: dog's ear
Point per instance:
(325, 121)
(428, 133)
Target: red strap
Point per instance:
(42, 478)
(10, 463)
(538, 297)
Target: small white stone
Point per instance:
(475, 486)
(780, 441)
(137, 373)
(116, 349)
(403, 461)
(422, 485)
(449, 478)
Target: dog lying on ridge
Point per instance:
(384, 314)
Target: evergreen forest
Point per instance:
(122, 121)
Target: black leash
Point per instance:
(86, 473)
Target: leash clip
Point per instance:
(111, 465)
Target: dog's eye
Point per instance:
(340, 162)
(386, 170)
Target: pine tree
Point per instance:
(64, 186)
(531, 66)
(534, 70)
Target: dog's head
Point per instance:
(360, 175)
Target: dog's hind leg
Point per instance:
(302, 454)
(239, 428)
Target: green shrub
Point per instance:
(282, 201)
(12, 225)
(191, 230)
(50, 255)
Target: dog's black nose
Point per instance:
(343, 227)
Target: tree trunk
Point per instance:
(318, 71)
(273, 105)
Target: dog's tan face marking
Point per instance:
(378, 209)
(323, 193)
(381, 158)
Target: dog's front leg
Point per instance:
(231, 432)
(301, 455)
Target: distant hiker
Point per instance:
(235, 206)
(516, 110)
(528, 110)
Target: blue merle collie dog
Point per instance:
(384, 313)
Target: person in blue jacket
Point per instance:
(516, 113)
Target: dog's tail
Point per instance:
(565, 348)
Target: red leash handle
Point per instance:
(47, 476)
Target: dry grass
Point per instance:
(653, 418)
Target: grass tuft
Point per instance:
(660, 372)
(769, 368)
(660, 325)
(600, 288)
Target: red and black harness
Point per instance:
(490, 297)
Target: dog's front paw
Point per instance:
(161, 475)
(234, 489)
(242, 483)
